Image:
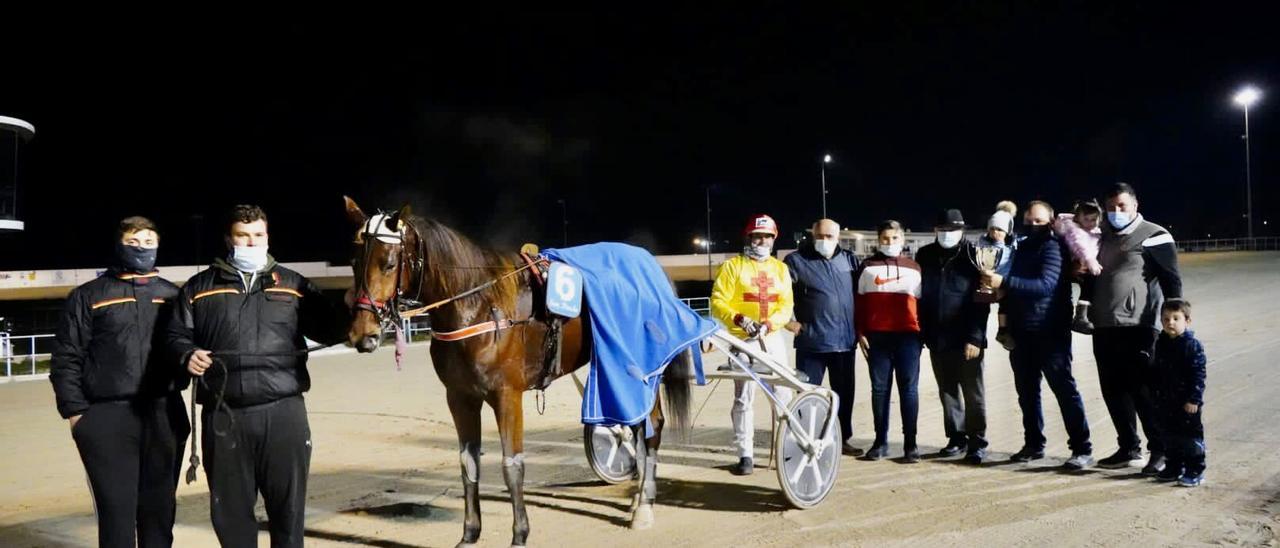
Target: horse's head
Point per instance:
(379, 273)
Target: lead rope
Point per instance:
(195, 457)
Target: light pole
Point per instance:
(826, 159)
(1246, 97)
(710, 277)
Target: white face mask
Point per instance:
(757, 252)
(826, 248)
(249, 259)
(892, 250)
(949, 238)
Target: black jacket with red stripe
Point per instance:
(108, 347)
(258, 322)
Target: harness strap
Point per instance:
(423, 310)
(474, 330)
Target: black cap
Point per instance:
(950, 219)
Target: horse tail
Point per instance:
(676, 385)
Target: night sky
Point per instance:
(485, 121)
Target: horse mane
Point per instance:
(452, 263)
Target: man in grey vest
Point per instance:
(1139, 270)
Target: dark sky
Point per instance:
(484, 121)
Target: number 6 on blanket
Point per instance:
(564, 290)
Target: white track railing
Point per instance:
(1266, 243)
(15, 350)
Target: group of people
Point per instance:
(1150, 365)
(129, 343)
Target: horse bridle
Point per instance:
(387, 312)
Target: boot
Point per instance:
(1081, 324)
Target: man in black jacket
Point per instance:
(822, 283)
(239, 326)
(122, 402)
(954, 327)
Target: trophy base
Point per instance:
(985, 297)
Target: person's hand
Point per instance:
(199, 361)
(794, 327)
(73, 420)
(350, 297)
(747, 324)
(865, 345)
(1191, 408)
(990, 279)
(971, 351)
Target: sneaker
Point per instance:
(1189, 480)
(1170, 473)
(910, 454)
(1004, 338)
(953, 448)
(877, 451)
(976, 456)
(848, 449)
(744, 467)
(801, 375)
(1154, 465)
(1027, 454)
(1079, 462)
(1122, 459)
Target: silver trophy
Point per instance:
(985, 257)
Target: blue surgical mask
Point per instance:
(757, 252)
(249, 259)
(1119, 219)
(826, 248)
(891, 250)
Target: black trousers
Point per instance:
(1184, 436)
(840, 364)
(132, 452)
(1124, 372)
(963, 421)
(263, 449)
(1038, 355)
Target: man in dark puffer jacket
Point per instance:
(239, 326)
(1039, 307)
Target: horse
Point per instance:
(402, 259)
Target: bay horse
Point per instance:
(401, 258)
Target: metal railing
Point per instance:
(701, 305)
(25, 352)
(1265, 243)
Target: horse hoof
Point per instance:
(643, 517)
(464, 545)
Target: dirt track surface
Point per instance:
(385, 466)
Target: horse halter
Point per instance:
(376, 229)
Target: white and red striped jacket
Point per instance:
(885, 298)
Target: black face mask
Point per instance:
(1035, 230)
(139, 260)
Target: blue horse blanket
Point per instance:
(637, 326)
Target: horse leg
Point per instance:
(509, 409)
(647, 465)
(466, 420)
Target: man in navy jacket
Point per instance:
(1038, 302)
(822, 281)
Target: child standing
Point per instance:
(1180, 366)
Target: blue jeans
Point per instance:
(894, 355)
(815, 364)
(1048, 355)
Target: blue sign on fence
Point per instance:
(564, 290)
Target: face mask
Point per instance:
(1119, 219)
(757, 252)
(249, 259)
(136, 259)
(826, 248)
(949, 238)
(892, 250)
(1035, 230)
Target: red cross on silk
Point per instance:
(762, 282)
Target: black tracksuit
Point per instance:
(1180, 372)
(258, 439)
(132, 423)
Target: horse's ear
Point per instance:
(393, 222)
(354, 214)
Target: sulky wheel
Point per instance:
(807, 478)
(611, 452)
